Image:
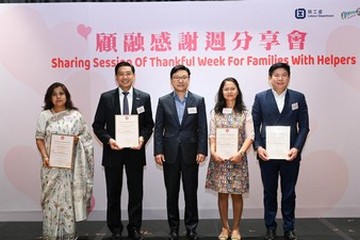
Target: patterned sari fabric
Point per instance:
(228, 177)
(66, 193)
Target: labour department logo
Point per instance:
(300, 13)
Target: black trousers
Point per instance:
(288, 172)
(114, 178)
(188, 173)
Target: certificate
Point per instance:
(61, 151)
(278, 142)
(226, 142)
(127, 130)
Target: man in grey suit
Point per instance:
(180, 145)
(123, 100)
(284, 107)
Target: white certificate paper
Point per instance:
(278, 142)
(226, 142)
(127, 130)
(61, 151)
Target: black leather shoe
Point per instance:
(192, 235)
(290, 235)
(135, 235)
(116, 236)
(270, 234)
(173, 235)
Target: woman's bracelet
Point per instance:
(242, 153)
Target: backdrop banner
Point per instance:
(79, 44)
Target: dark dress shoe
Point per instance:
(270, 234)
(135, 235)
(116, 236)
(290, 235)
(192, 235)
(173, 235)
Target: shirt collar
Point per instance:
(279, 95)
(176, 96)
(130, 90)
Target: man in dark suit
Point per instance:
(180, 144)
(115, 157)
(280, 106)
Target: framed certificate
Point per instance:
(127, 130)
(61, 151)
(226, 141)
(278, 142)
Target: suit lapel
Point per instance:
(272, 102)
(172, 105)
(116, 100)
(277, 114)
(287, 102)
(189, 102)
(135, 101)
(273, 106)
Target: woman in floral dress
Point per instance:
(66, 192)
(228, 175)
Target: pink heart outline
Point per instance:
(83, 30)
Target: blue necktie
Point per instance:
(125, 104)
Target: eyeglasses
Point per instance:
(177, 78)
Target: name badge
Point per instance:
(192, 110)
(227, 110)
(294, 106)
(140, 109)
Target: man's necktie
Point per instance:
(125, 104)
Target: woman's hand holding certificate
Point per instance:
(226, 142)
(61, 151)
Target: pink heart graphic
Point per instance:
(83, 30)
(59, 41)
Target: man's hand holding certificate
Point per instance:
(127, 130)
(278, 142)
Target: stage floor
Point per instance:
(251, 229)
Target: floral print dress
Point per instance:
(228, 177)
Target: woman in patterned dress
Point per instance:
(228, 175)
(66, 192)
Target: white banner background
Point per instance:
(34, 34)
